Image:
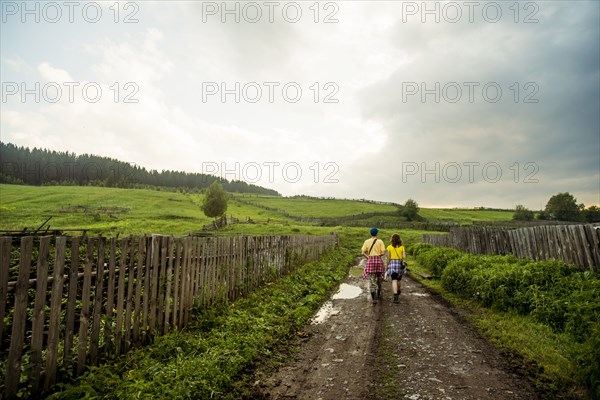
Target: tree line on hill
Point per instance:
(25, 166)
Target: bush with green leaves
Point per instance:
(571, 305)
(589, 361)
(552, 292)
(436, 259)
(417, 248)
(505, 282)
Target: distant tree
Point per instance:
(563, 207)
(215, 200)
(591, 214)
(410, 210)
(522, 213)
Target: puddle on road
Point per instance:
(328, 309)
(347, 292)
(419, 294)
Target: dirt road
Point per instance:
(418, 349)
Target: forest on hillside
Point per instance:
(22, 165)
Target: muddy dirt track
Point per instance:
(418, 349)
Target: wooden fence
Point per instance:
(70, 302)
(574, 244)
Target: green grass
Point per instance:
(99, 209)
(243, 211)
(465, 216)
(318, 208)
(112, 211)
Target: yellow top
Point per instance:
(378, 249)
(395, 252)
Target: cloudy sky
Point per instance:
(452, 104)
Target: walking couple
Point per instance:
(374, 250)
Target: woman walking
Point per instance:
(396, 266)
(373, 249)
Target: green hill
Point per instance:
(142, 211)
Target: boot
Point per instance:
(396, 298)
(374, 297)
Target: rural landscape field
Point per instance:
(551, 347)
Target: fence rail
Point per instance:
(574, 244)
(70, 302)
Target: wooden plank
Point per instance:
(586, 254)
(39, 314)
(513, 242)
(142, 266)
(574, 245)
(222, 270)
(193, 269)
(98, 300)
(169, 282)
(176, 283)
(182, 284)
(202, 272)
(246, 261)
(218, 270)
(84, 318)
(234, 268)
(542, 242)
(588, 259)
(71, 303)
(121, 296)
(231, 268)
(143, 280)
(154, 282)
(554, 248)
(55, 312)
(146, 292)
(109, 331)
(129, 296)
(13, 364)
(5, 248)
(186, 283)
(198, 271)
(593, 238)
(162, 285)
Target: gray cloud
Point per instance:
(554, 62)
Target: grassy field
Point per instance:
(311, 207)
(99, 209)
(112, 211)
(465, 216)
